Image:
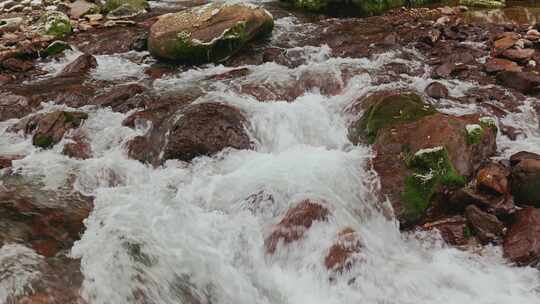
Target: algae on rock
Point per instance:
(55, 24)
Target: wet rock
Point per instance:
(210, 33)
(125, 8)
(386, 108)
(518, 54)
(80, 8)
(496, 204)
(56, 24)
(13, 106)
(526, 179)
(516, 158)
(56, 47)
(505, 43)
(493, 178)
(50, 128)
(444, 70)
(78, 148)
(83, 64)
(344, 253)
(454, 230)
(525, 82)
(487, 227)
(120, 98)
(295, 223)
(495, 65)
(6, 161)
(17, 65)
(417, 161)
(436, 90)
(522, 241)
(205, 129)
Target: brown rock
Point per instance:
(343, 254)
(7, 160)
(486, 226)
(50, 128)
(505, 43)
(518, 54)
(444, 70)
(522, 241)
(493, 178)
(294, 224)
(79, 148)
(79, 8)
(17, 65)
(436, 90)
(82, 65)
(120, 98)
(495, 65)
(526, 182)
(453, 230)
(497, 204)
(516, 158)
(525, 82)
(13, 106)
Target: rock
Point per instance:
(385, 108)
(209, 33)
(78, 148)
(17, 65)
(493, 178)
(56, 24)
(120, 98)
(8, 25)
(486, 226)
(495, 65)
(518, 54)
(344, 253)
(526, 180)
(6, 161)
(525, 82)
(436, 90)
(13, 106)
(50, 128)
(496, 204)
(294, 224)
(82, 65)
(205, 129)
(444, 70)
(446, 10)
(80, 8)
(505, 43)
(56, 47)
(522, 241)
(453, 230)
(354, 7)
(484, 3)
(532, 35)
(418, 160)
(516, 158)
(119, 8)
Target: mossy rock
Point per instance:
(56, 47)
(354, 7)
(139, 5)
(56, 24)
(475, 133)
(388, 110)
(432, 169)
(209, 33)
(43, 141)
(484, 3)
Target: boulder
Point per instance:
(518, 54)
(454, 230)
(436, 90)
(526, 179)
(522, 241)
(387, 108)
(208, 33)
(196, 130)
(49, 128)
(487, 227)
(493, 178)
(500, 205)
(419, 160)
(495, 65)
(295, 223)
(506, 42)
(81, 8)
(127, 8)
(13, 106)
(525, 82)
(55, 23)
(82, 65)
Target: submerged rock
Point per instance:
(209, 33)
(522, 242)
(344, 253)
(294, 224)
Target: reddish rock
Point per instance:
(522, 241)
(495, 65)
(7, 160)
(444, 70)
(79, 148)
(342, 255)
(453, 230)
(516, 158)
(294, 224)
(82, 65)
(486, 226)
(13, 106)
(518, 54)
(494, 203)
(493, 178)
(505, 43)
(436, 90)
(50, 128)
(525, 82)
(46, 248)
(526, 181)
(17, 65)
(120, 98)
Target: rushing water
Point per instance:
(195, 230)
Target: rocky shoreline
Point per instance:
(439, 170)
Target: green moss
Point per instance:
(467, 233)
(483, 3)
(56, 24)
(431, 168)
(391, 110)
(111, 5)
(42, 141)
(475, 133)
(488, 123)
